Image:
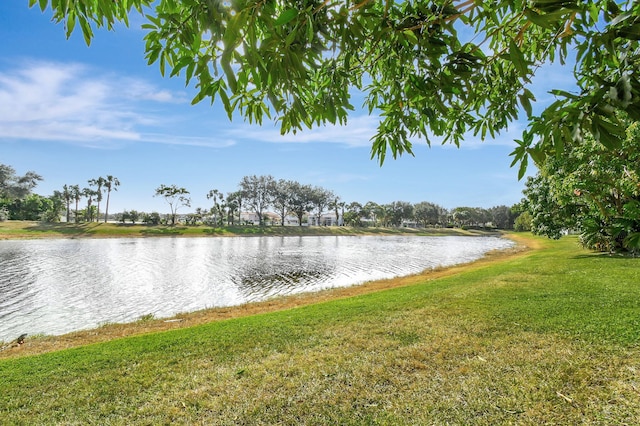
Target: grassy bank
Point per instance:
(550, 337)
(29, 230)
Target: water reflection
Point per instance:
(58, 286)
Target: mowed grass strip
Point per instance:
(37, 230)
(551, 337)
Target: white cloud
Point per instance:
(74, 104)
(187, 140)
(357, 133)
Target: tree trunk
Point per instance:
(106, 209)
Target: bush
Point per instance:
(523, 222)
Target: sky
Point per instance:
(72, 113)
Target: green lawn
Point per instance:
(547, 338)
(25, 229)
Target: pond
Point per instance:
(58, 286)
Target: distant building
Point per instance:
(326, 219)
(269, 218)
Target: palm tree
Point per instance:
(66, 196)
(76, 194)
(214, 193)
(110, 183)
(89, 193)
(338, 206)
(99, 183)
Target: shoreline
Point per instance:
(43, 344)
(25, 230)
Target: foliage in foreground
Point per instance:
(593, 191)
(548, 338)
(426, 67)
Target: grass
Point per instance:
(28, 230)
(550, 337)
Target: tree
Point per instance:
(502, 217)
(320, 199)
(370, 211)
(134, 216)
(13, 186)
(428, 68)
(66, 196)
(31, 207)
(591, 190)
(257, 191)
(522, 222)
(426, 213)
(548, 217)
(151, 218)
(234, 203)
(89, 194)
(338, 207)
(398, 212)
(471, 216)
(281, 198)
(215, 194)
(382, 213)
(122, 217)
(76, 195)
(57, 207)
(175, 197)
(300, 201)
(98, 183)
(353, 215)
(109, 183)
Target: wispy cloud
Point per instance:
(75, 104)
(187, 140)
(357, 133)
(506, 137)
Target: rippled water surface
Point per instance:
(58, 286)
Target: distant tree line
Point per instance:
(19, 202)
(272, 201)
(310, 204)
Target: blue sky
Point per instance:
(71, 113)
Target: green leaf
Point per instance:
(228, 71)
(563, 93)
(290, 38)
(411, 36)
(71, 23)
(548, 20)
(632, 242)
(286, 17)
(517, 58)
(162, 63)
(608, 139)
(226, 103)
(523, 167)
(607, 133)
(526, 104)
(86, 30)
(198, 97)
(537, 155)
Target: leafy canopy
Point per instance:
(592, 190)
(438, 68)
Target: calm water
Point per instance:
(58, 286)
